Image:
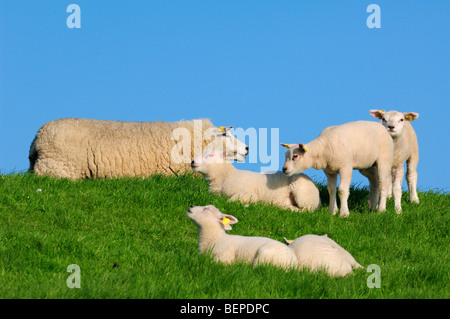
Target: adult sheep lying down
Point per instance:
(84, 148)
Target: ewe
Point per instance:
(83, 148)
(211, 224)
(361, 145)
(406, 149)
(297, 192)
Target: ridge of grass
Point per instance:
(132, 239)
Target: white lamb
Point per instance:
(322, 253)
(211, 224)
(84, 148)
(406, 149)
(361, 145)
(297, 192)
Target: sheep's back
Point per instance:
(320, 252)
(360, 142)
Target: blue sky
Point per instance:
(298, 66)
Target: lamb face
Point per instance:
(394, 121)
(295, 159)
(209, 217)
(202, 163)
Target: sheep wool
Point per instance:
(322, 253)
(83, 148)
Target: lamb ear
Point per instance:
(378, 114)
(411, 116)
(227, 220)
(302, 147)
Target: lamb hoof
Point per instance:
(344, 214)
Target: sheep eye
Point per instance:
(401, 120)
(295, 156)
(383, 119)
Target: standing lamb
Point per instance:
(322, 253)
(83, 148)
(211, 224)
(297, 192)
(361, 145)
(406, 149)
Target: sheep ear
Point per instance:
(286, 145)
(224, 129)
(411, 116)
(227, 220)
(302, 147)
(378, 114)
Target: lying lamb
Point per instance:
(211, 224)
(361, 145)
(322, 253)
(83, 148)
(297, 192)
(406, 149)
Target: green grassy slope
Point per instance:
(132, 239)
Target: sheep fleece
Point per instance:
(81, 148)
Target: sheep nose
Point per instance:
(390, 127)
(192, 206)
(192, 162)
(284, 169)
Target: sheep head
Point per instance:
(394, 121)
(209, 217)
(296, 159)
(210, 158)
(223, 139)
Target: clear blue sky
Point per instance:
(298, 66)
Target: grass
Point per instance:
(132, 239)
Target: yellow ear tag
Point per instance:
(225, 221)
(286, 145)
(305, 148)
(220, 128)
(409, 117)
